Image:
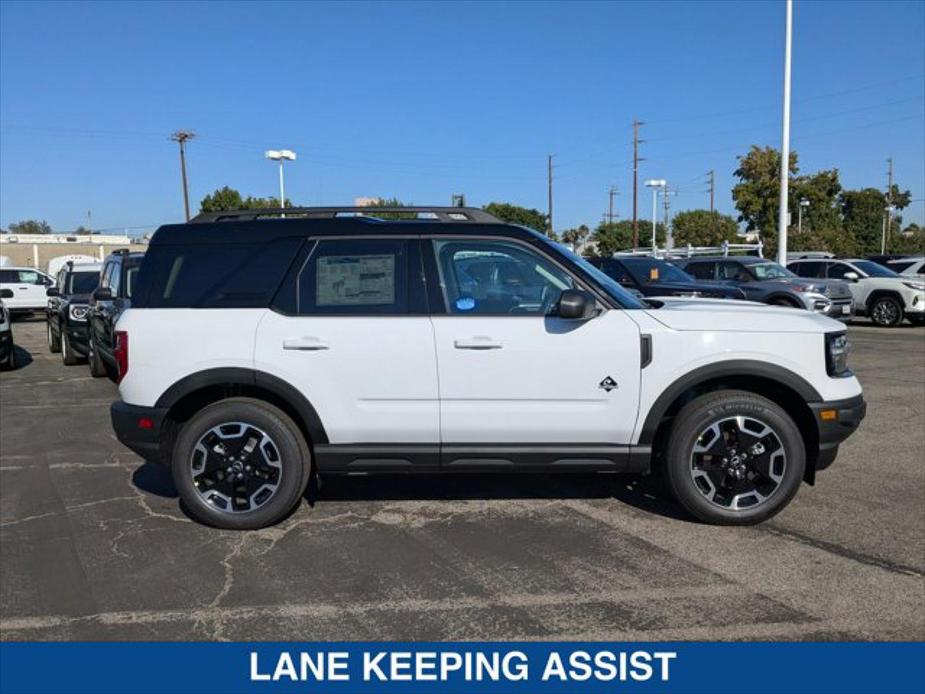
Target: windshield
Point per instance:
(769, 271)
(614, 290)
(649, 270)
(82, 282)
(872, 269)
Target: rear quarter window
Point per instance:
(213, 275)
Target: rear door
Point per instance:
(518, 385)
(350, 331)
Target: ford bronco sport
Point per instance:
(260, 350)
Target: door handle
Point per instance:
(305, 344)
(477, 342)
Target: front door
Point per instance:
(356, 341)
(515, 377)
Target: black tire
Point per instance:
(97, 368)
(294, 464)
(68, 356)
(916, 320)
(716, 410)
(886, 311)
(10, 363)
(54, 341)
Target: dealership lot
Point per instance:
(93, 544)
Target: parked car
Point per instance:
(913, 267)
(257, 353)
(66, 310)
(885, 258)
(111, 298)
(770, 283)
(883, 295)
(58, 262)
(7, 349)
(655, 277)
(27, 286)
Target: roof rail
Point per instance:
(725, 249)
(438, 214)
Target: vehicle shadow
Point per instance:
(21, 357)
(643, 493)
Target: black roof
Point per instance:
(251, 226)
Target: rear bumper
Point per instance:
(140, 429)
(835, 428)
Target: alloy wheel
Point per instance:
(885, 313)
(236, 467)
(738, 463)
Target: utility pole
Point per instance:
(712, 175)
(889, 198)
(610, 195)
(636, 160)
(181, 137)
(549, 186)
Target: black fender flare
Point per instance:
(248, 377)
(786, 297)
(732, 367)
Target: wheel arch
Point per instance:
(782, 386)
(774, 298)
(881, 293)
(191, 393)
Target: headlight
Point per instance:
(837, 348)
(918, 286)
(78, 313)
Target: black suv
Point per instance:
(107, 303)
(654, 277)
(67, 310)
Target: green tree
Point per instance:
(821, 190)
(837, 241)
(30, 226)
(227, 199)
(618, 236)
(524, 216)
(576, 236)
(392, 202)
(863, 215)
(757, 194)
(703, 228)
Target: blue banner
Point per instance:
(419, 668)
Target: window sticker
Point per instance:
(355, 280)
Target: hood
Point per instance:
(832, 288)
(721, 315)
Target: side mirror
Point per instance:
(575, 304)
(102, 294)
(6, 293)
(52, 291)
(852, 276)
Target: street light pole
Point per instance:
(785, 145)
(655, 184)
(803, 203)
(281, 155)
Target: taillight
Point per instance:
(120, 352)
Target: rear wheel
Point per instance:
(68, 356)
(886, 311)
(734, 458)
(54, 341)
(240, 464)
(97, 368)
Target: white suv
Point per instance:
(885, 296)
(257, 352)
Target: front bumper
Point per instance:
(140, 429)
(78, 337)
(916, 305)
(836, 421)
(840, 309)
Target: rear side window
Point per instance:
(702, 271)
(355, 277)
(213, 275)
(808, 269)
(8, 277)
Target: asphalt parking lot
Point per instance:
(94, 546)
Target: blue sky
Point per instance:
(420, 101)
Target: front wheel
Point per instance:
(68, 356)
(734, 458)
(97, 368)
(886, 312)
(240, 464)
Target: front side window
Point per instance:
(649, 270)
(115, 281)
(769, 271)
(131, 274)
(734, 272)
(615, 270)
(836, 271)
(30, 277)
(355, 277)
(873, 270)
(498, 278)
